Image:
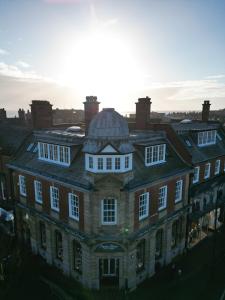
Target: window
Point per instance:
(54, 153)
(109, 163)
(100, 163)
(54, 194)
(207, 138)
(178, 190)
(58, 245)
(140, 256)
(73, 206)
(176, 232)
(90, 162)
(109, 211)
(217, 167)
(77, 256)
(196, 174)
(162, 197)
(207, 170)
(22, 185)
(43, 235)
(3, 189)
(155, 154)
(127, 161)
(38, 191)
(117, 163)
(158, 243)
(143, 205)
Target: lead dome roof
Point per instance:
(108, 124)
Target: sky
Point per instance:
(118, 50)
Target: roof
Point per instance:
(108, 124)
(12, 137)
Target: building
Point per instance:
(108, 207)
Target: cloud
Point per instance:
(216, 76)
(22, 64)
(3, 52)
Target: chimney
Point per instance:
(2, 114)
(21, 114)
(91, 108)
(41, 114)
(143, 108)
(205, 110)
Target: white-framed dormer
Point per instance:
(206, 138)
(155, 154)
(58, 154)
(108, 163)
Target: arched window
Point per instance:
(140, 256)
(159, 243)
(58, 245)
(77, 256)
(42, 235)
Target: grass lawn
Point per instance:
(203, 277)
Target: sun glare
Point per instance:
(100, 64)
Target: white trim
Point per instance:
(51, 197)
(104, 169)
(102, 212)
(206, 138)
(59, 157)
(70, 195)
(180, 190)
(146, 204)
(150, 156)
(22, 185)
(217, 167)
(197, 177)
(165, 198)
(208, 168)
(38, 184)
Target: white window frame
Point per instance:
(54, 153)
(3, 190)
(178, 190)
(207, 170)
(162, 197)
(206, 138)
(115, 212)
(53, 192)
(195, 180)
(74, 210)
(38, 191)
(152, 151)
(217, 167)
(122, 167)
(22, 185)
(143, 206)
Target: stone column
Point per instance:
(151, 269)
(168, 238)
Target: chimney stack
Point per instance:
(3, 115)
(91, 108)
(21, 114)
(143, 109)
(205, 110)
(41, 114)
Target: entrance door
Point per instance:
(109, 271)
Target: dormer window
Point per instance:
(54, 153)
(206, 138)
(155, 154)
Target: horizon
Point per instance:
(63, 50)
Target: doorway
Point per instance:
(109, 272)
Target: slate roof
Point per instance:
(11, 138)
(76, 175)
(204, 153)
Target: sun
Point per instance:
(102, 64)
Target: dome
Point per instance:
(108, 124)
